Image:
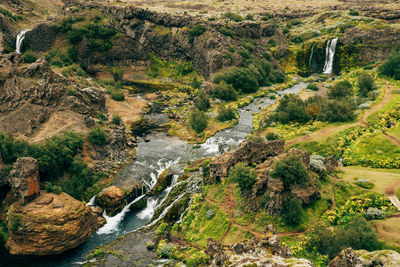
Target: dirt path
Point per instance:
(228, 207)
(392, 139)
(331, 130)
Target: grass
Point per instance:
(395, 132)
(373, 150)
(389, 230)
(374, 117)
(382, 178)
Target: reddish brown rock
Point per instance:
(112, 200)
(50, 225)
(24, 179)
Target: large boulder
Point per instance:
(24, 179)
(51, 224)
(362, 258)
(112, 199)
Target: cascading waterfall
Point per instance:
(311, 56)
(20, 38)
(330, 54)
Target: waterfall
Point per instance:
(20, 38)
(330, 54)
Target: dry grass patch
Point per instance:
(389, 230)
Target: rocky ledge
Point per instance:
(362, 258)
(51, 224)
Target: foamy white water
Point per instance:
(330, 54)
(20, 38)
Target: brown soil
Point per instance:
(130, 110)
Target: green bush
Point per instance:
(272, 136)
(339, 110)
(312, 87)
(292, 212)
(202, 102)
(242, 79)
(117, 73)
(391, 66)
(101, 116)
(297, 40)
(97, 136)
(117, 95)
(233, 16)
(340, 90)
(165, 251)
(116, 119)
(224, 91)
(52, 188)
(198, 120)
(227, 32)
(354, 13)
(225, 113)
(13, 222)
(195, 31)
(196, 83)
(358, 234)
(292, 108)
(291, 171)
(244, 175)
(366, 83)
(28, 57)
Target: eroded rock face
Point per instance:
(249, 152)
(51, 224)
(163, 181)
(33, 92)
(362, 258)
(24, 179)
(112, 200)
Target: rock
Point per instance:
(248, 29)
(330, 163)
(216, 252)
(317, 165)
(249, 152)
(40, 39)
(308, 194)
(42, 228)
(239, 248)
(112, 199)
(362, 258)
(346, 258)
(163, 181)
(305, 157)
(24, 179)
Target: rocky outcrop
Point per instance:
(112, 199)
(362, 258)
(51, 224)
(163, 181)
(24, 179)
(7, 33)
(32, 93)
(40, 39)
(249, 152)
(267, 252)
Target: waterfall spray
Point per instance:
(330, 54)
(20, 38)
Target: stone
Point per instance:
(163, 181)
(331, 164)
(112, 200)
(38, 228)
(24, 179)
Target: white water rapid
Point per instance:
(20, 38)
(330, 54)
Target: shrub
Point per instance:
(116, 119)
(225, 113)
(202, 102)
(391, 66)
(339, 111)
(272, 136)
(297, 39)
(196, 30)
(364, 184)
(198, 120)
(233, 16)
(150, 245)
(292, 109)
(97, 137)
(244, 175)
(374, 214)
(101, 116)
(226, 32)
(366, 83)
(249, 17)
(117, 95)
(292, 212)
(162, 228)
(196, 83)
(341, 90)
(13, 222)
(224, 91)
(165, 251)
(354, 13)
(242, 79)
(291, 171)
(28, 57)
(210, 214)
(117, 73)
(51, 188)
(312, 87)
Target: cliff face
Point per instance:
(32, 94)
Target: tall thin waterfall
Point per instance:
(330, 54)
(20, 38)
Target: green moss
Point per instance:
(161, 30)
